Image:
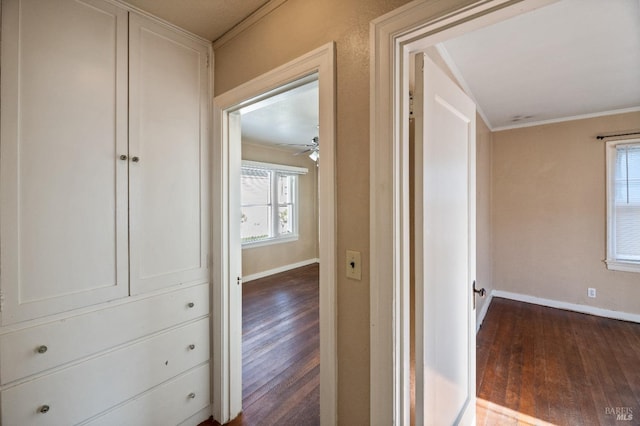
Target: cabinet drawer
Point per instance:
(168, 404)
(83, 335)
(77, 393)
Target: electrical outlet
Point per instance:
(591, 292)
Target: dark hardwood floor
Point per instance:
(538, 364)
(281, 350)
(535, 365)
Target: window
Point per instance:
(623, 205)
(269, 194)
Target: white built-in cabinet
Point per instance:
(104, 219)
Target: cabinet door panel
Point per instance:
(64, 123)
(168, 101)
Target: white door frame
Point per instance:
(394, 38)
(227, 352)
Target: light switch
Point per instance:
(354, 265)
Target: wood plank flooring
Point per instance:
(535, 365)
(539, 365)
(281, 350)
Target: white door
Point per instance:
(168, 156)
(444, 248)
(63, 186)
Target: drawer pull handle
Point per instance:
(192, 395)
(191, 304)
(192, 346)
(44, 409)
(42, 349)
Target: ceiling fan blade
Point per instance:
(304, 152)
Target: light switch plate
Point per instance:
(354, 265)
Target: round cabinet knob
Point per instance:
(44, 409)
(123, 157)
(192, 395)
(191, 304)
(192, 346)
(42, 349)
(135, 159)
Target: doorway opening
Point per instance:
(268, 223)
(395, 38)
(281, 151)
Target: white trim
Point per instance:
(270, 241)
(131, 8)
(279, 269)
(394, 37)
(321, 62)
(563, 119)
(283, 168)
(612, 261)
(584, 309)
(621, 265)
(247, 22)
(483, 311)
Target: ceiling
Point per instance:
(209, 19)
(288, 120)
(572, 58)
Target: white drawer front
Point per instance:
(88, 334)
(77, 393)
(168, 404)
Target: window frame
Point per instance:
(612, 261)
(277, 170)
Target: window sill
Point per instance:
(271, 241)
(623, 265)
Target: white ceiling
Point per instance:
(207, 18)
(289, 119)
(569, 59)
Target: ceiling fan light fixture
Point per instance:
(314, 155)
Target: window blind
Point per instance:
(627, 202)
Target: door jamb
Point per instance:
(227, 389)
(394, 38)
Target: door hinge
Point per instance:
(208, 59)
(410, 105)
(1, 300)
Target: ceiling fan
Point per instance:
(313, 148)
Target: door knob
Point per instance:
(135, 159)
(482, 292)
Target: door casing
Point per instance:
(394, 38)
(227, 294)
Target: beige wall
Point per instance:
(265, 258)
(549, 214)
(484, 258)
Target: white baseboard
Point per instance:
(585, 309)
(279, 269)
(483, 311)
